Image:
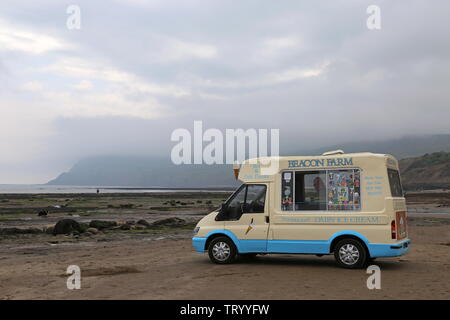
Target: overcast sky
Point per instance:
(138, 69)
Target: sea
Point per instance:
(42, 188)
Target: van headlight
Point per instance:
(196, 230)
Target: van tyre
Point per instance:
(350, 254)
(222, 250)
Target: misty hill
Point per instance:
(134, 171)
(139, 171)
(430, 171)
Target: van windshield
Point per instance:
(395, 184)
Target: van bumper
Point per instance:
(378, 250)
(199, 244)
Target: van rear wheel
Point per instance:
(222, 250)
(350, 254)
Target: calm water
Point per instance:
(36, 188)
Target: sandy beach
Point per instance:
(161, 263)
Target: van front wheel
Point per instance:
(222, 250)
(350, 254)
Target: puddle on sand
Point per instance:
(51, 244)
(169, 236)
(81, 244)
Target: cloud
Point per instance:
(138, 69)
(110, 103)
(282, 43)
(80, 68)
(18, 38)
(33, 86)
(178, 50)
(84, 85)
(295, 74)
(269, 79)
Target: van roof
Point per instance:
(262, 168)
(329, 154)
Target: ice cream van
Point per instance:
(348, 205)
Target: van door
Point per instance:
(246, 216)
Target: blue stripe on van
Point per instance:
(389, 249)
(298, 246)
(199, 244)
(303, 246)
(243, 246)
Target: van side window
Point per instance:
(321, 190)
(310, 190)
(394, 183)
(250, 198)
(234, 207)
(256, 198)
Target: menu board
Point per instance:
(343, 192)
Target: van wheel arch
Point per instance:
(348, 236)
(217, 235)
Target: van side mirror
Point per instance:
(222, 210)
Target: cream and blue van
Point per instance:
(349, 205)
